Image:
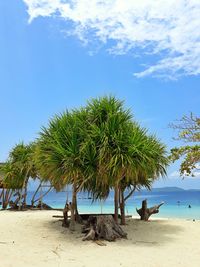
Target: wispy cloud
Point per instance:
(176, 174)
(166, 32)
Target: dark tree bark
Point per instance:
(1, 195)
(145, 212)
(130, 193)
(116, 203)
(72, 209)
(77, 216)
(39, 200)
(122, 201)
(122, 207)
(25, 192)
(65, 214)
(20, 199)
(6, 196)
(102, 227)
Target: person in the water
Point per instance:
(189, 207)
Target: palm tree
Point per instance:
(21, 157)
(109, 128)
(19, 168)
(11, 180)
(58, 153)
(127, 155)
(78, 148)
(149, 159)
(98, 148)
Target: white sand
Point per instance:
(34, 238)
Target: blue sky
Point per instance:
(50, 62)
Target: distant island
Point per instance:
(170, 189)
(167, 189)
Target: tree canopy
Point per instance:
(19, 166)
(96, 148)
(188, 128)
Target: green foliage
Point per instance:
(12, 178)
(188, 128)
(96, 147)
(191, 157)
(188, 131)
(58, 149)
(19, 167)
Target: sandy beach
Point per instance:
(35, 238)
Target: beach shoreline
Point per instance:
(35, 238)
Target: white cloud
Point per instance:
(167, 29)
(176, 174)
(196, 174)
(197, 166)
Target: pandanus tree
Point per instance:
(18, 169)
(98, 148)
(11, 180)
(149, 160)
(58, 154)
(127, 155)
(109, 128)
(78, 148)
(21, 157)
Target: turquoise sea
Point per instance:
(176, 203)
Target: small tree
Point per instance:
(6, 170)
(58, 154)
(95, 148)
(109, 128)
(149, 162)
(18, 169)
(188, 128)
(127, 155)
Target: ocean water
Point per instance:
(176, 203)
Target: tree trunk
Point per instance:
(102, 227)
(1, 195)
(20, 199)
(34, 195)
(122, 207)
(145, 212)
(9, 196)
(39, 199)
(3, 198)
(16, 202)
(7, 193)
(25, 191)
(66, 209)
(116, 202)
(130, 193)
(77, 216)
(72, 208)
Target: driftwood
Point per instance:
(43, 206)
(14, 206)
(66, 209)
(102, 227)
(145, 212)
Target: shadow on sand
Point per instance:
(152, 233)
(156, 232)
